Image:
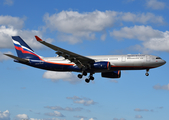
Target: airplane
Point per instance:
(109, 66)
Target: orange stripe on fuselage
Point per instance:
(57, 63)
(108, 65)
(23, 51)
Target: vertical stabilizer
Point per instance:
(23, 50)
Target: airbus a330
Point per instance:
(109, 66)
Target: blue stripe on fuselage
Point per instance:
(53, 66)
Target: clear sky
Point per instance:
(88, 27)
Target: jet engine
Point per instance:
(103, 65)
(114, 74)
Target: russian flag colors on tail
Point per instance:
(23, 50)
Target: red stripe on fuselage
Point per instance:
(118, 73)
(108, 65)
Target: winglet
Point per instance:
(38, 39)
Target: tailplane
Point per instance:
(23, 50)
(18, 59)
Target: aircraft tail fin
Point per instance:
(23, 50)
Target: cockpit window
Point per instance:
(158, 58)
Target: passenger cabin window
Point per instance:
(113, 58)
(135, 56)
(158, 58)
(103, 59)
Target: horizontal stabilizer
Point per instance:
(17, 58)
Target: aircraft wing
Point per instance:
(79, 60)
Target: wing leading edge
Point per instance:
(81, 61)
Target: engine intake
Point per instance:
(114, 74)
(101, 65)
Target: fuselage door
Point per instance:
(148, 58)
(123, 59)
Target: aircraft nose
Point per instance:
(160, 62)
(163, 62)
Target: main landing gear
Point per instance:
(90, 78)
(81, 75)
(87, 79)
(147, 74)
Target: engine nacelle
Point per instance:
(114, 74)
(101, 65)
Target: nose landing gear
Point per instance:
(147, 74)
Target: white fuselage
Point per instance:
(123, 62)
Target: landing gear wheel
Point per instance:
(91, 78)
(84, 73)
(87, 80)
(79, 76)
(147, 74)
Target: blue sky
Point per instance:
(90, 27)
